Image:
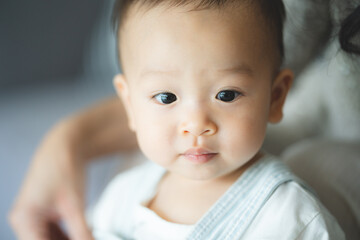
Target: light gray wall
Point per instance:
(41, 39)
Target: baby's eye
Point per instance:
(165, 98)
(227, 95)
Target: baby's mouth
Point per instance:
(199, 155)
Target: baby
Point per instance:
(200, 82)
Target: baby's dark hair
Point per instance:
(350, 33)
(273, 12)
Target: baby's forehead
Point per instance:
(220, 34)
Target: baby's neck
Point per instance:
(185, 201)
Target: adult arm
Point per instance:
(53, 190)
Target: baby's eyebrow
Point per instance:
(238, 69)
(157, 72)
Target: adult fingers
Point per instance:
(72, 213)
(56, 233)
(28, 224)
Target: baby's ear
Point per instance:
(279, 91)
(122, 89)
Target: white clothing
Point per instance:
(264, 203)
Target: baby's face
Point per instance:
(198, 87)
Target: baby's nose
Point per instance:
(197, 124)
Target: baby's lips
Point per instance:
(199, 151)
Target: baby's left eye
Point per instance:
(165, 98)
(228, 95)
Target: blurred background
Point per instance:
(56, 57)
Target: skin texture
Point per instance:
(229, 53)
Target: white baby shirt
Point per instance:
(266, 202)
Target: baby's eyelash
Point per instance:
(228, 95)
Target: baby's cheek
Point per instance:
(155, 143)
(146, 138)
(245, 140)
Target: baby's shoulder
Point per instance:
(293, 200)
(131, 177)
(293, 212)
(133, 183)
(123, 194)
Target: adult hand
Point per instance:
(53, 191)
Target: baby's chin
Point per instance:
(200, 173)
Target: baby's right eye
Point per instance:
(228, 95)
(165, 98)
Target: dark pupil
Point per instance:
(168, 98)
(226, 96)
